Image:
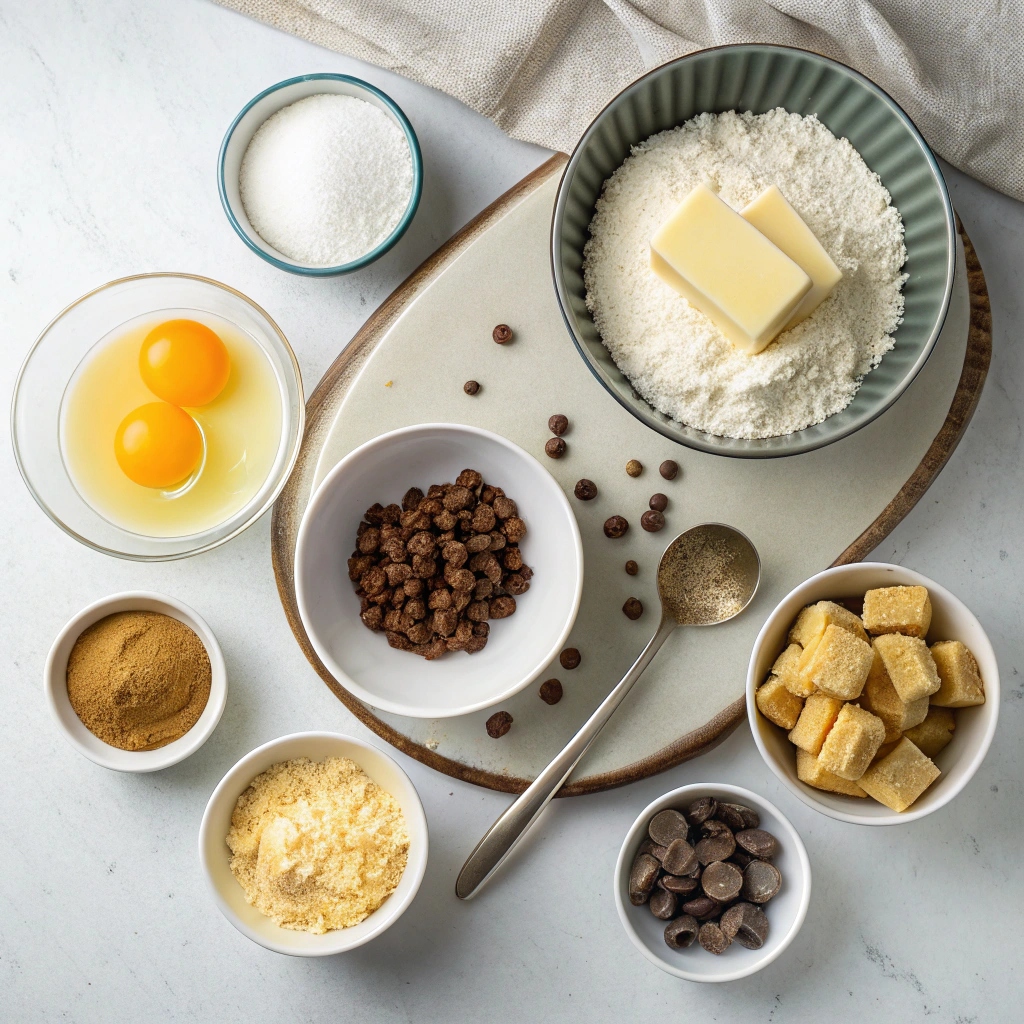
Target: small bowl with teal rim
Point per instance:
(256, 112)
(758, 78)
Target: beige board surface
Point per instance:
(800, 512)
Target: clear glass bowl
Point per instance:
(56, 354)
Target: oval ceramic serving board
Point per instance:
(408, 365)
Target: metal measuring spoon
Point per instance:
(707, 575)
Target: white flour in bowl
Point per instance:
(673, 355)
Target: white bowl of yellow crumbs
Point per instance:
(314, 844)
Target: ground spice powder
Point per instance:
(139, 680)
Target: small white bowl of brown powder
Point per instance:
(314, 844)
(136, 681)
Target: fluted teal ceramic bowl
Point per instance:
(759, 78)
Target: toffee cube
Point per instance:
(899, 779)
(787, 668)
(906, 610)
(851, 743)
(777, 704)
(840, 664)
(960, 684)
(910, 665)
(934, 733)
(809, 770)
(881, 699)
(818, 716)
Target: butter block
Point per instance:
(725, 267)
(772, 215)
(851, 743)
(899, 779)
(816, 618)
(959, 678)
(777, 704)
(881, 699)
(935, 732)
(809, 770)
(906, 610)
(910, 665)
(840, 664)
(787, 668)
(818, 716)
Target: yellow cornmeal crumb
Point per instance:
(851, 743)
(777, 704)
(906, 610)
(816, 618)
(932, 735)
(899, 779)
(840, 664)
(787, 668)
(810, 770)
(317, 845)
(961, 685)
(881, 699)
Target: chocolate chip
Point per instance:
(634, 467)
(558, 424)
(585, 490)
(651, 847)
(632, 568)
(761, 881)
(668, 469)
(502, 334)
(632, 609)
(741, 857)
(701, 809)
(551, 691)
(747, 924)
(731, 815)
(715, 847)
(680, 859)
(642, 876)
(615, 527)
(658, 502)
(713, 939)
(722, 881)
(471, 387)
(569, 658)
(663, 904)
(667, 826)
(555, 447)
(498, 724)
(652, 521)
(683, 885)
(702, 908)
(751, 819)
(757, 842)
(680, 933)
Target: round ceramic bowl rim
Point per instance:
(393, 909)
(671, 798)
(710, 447)
(272, 495)
(319, 497)
(908, 577)
(148, 760)
(400, 228)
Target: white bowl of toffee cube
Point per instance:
(779, 910)
(903, 740)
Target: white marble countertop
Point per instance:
(111, 121)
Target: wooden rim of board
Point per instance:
(289, 507)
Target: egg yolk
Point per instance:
(184, 363)
(158, 445)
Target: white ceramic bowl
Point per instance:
(786, 912)
(951, 620)
(518, 648)
(55, 685)
(216, 857)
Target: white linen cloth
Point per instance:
(541, 69)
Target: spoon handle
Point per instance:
(502, 836)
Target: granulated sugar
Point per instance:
(326, 179)
(674, 356)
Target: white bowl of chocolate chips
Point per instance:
(712, 883)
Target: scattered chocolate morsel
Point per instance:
(761, 881)
(667, 826)
(715, 847)
(722, 881)
(683, 885)
(679, 859)
(651, 847)
(751, 819)
(731, 815)
(502, 334)
(471, 387)
(702, 908)
(632, 568)
(569, 658)
(634, 467)
(632, 609)
(558, 424)
(615, 527)
(652, 521)
(658, 502)
(551, 691)
(642, 877)
(757, 842)
(663, 904)
(746, 924)
(701, 809)
(554, 447)
(680, 933)
(741, 857)
(713, 939)
(668, 469)
(585, 490)
(498, 724)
